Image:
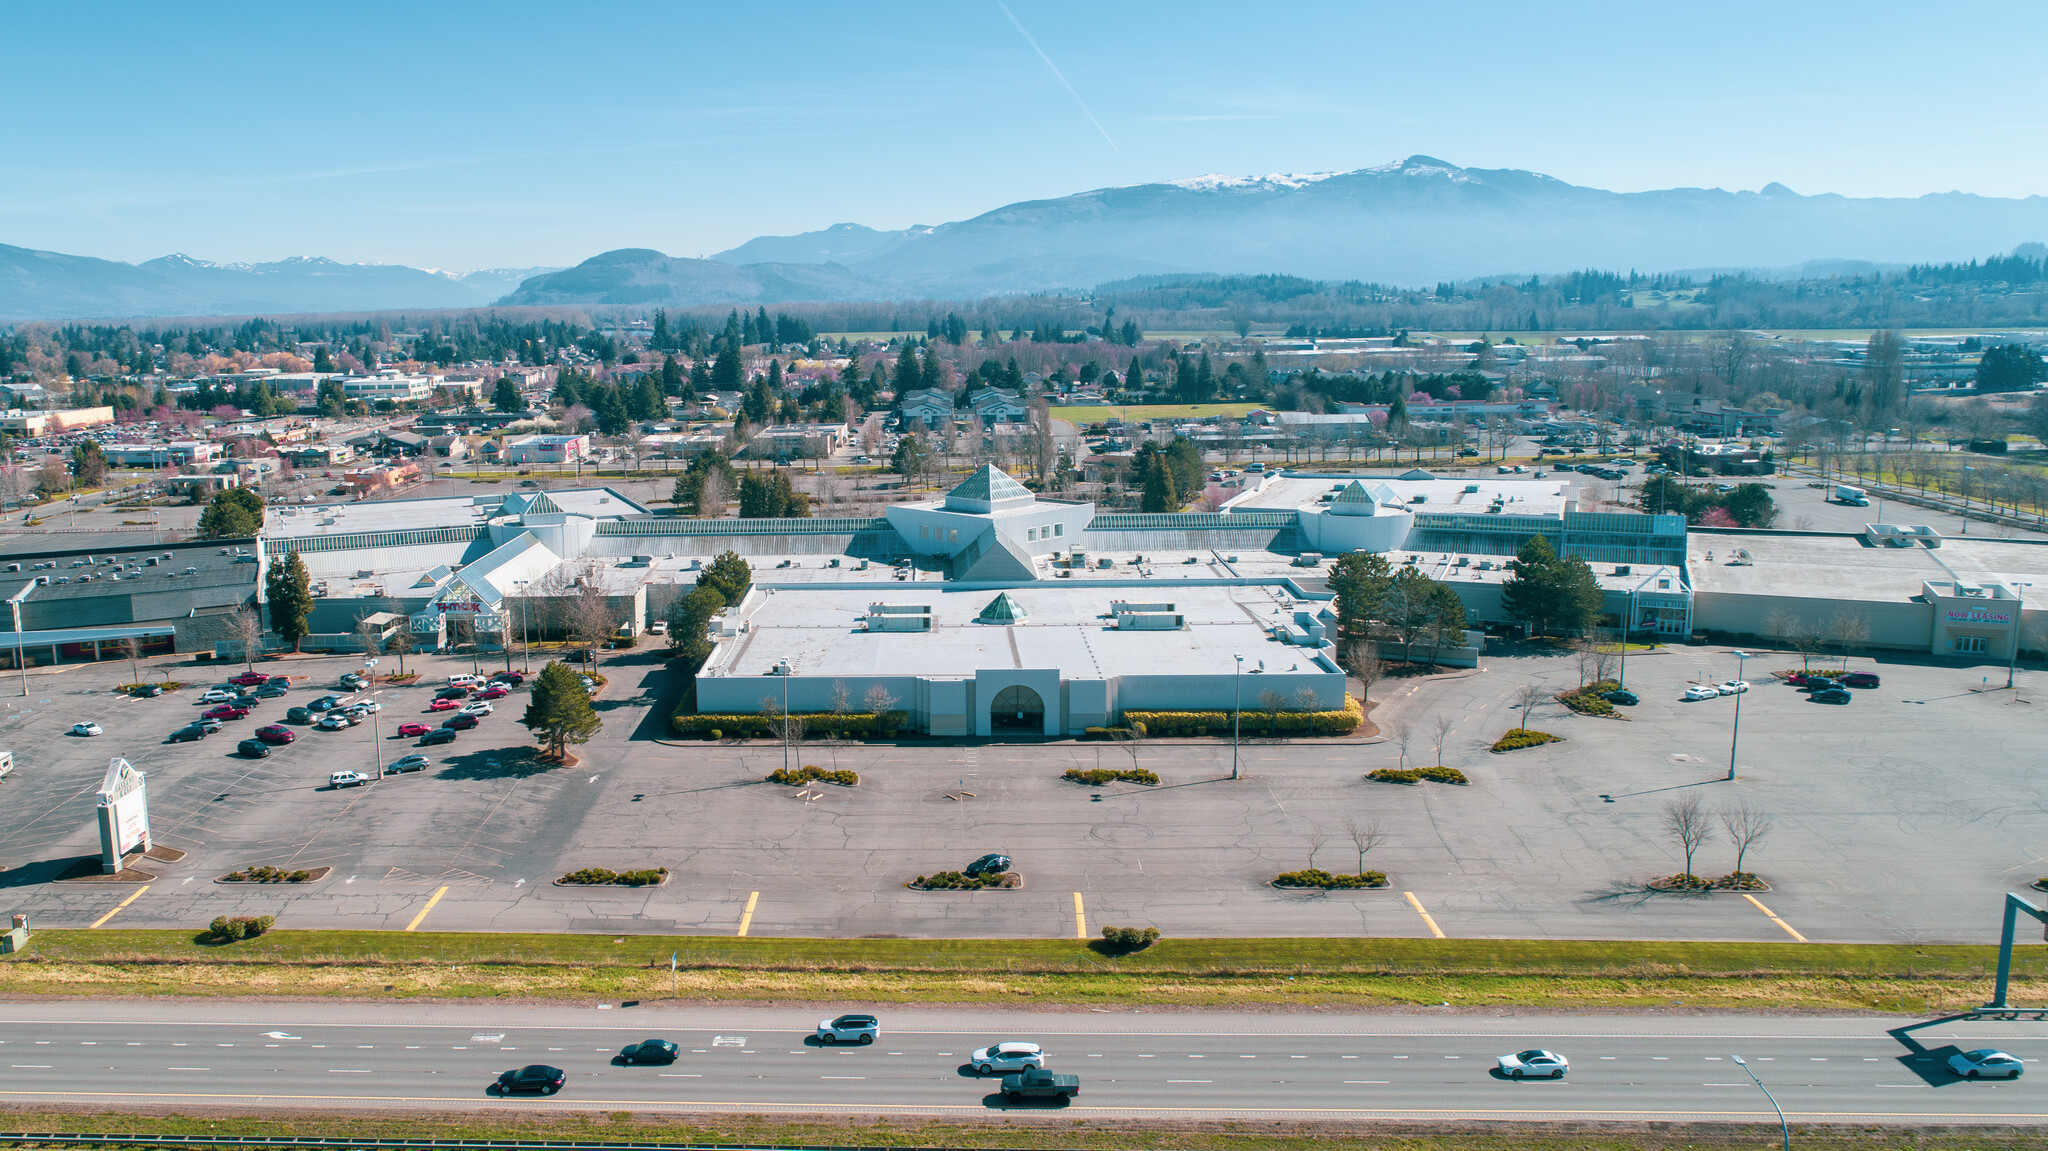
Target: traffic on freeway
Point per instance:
(438, 1057)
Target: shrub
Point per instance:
(267, 874)
(232, 929)
(1521, 737)
(1097, 776)
(1589, 700)
(1442, 774)
(1125, 940)
(807, 773)
(1342, 721)
(817, 724)
(1316, 877)
(714, 735)
(1395, 775)
(957, 881)
(606, 877)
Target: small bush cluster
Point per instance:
(957, 881)
(1097, 776)
(1814, 673)
(1589, 700)
(268, 874)
(605, 876)
(1125, 940)
(1342, 721)
(1417, 775)
(1521, 737)
(807, 773)
(232, 929)
(1318, 878)
(819, 724)
(1443, 775)
(167, 685)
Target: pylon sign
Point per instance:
(124, 814)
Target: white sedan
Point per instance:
(1011, 1056)
(1534, 1064)
(1732, 687)
(1985, 1063)
(85, 729)
(1700, 691)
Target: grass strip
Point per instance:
(1308, 973)
(1023, 1133)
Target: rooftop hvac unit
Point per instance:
(1743, 557)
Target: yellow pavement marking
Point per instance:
(119, 906)
(1080, 918)
(435, 898)
(1773, 918)
(747, 916)
(1417, 905)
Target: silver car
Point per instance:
(1985, 1063)
(1007, 1056)
(849, 1029)
(1535, 1063)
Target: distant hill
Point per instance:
(645, 276)
(37, 285)
(838, 244)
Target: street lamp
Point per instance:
(1966, 498)
(1740, 657)
(1236, 698)
(1784, 1127)
(376, 731)
(525, 644)
(2019, 614)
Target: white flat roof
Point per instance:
(1845, 567)
(1522, 495)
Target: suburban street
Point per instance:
(441, 1057)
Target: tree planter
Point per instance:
(1521, 739)
(1316, 879)
(953, 881)
(606, 877)
(1673, 884)
(276, 875)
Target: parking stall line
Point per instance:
(1080, 918)
(1417, 905)
(431, 901)
(1768, 914)
(747, 916)
(117, 907)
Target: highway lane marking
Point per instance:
(1768, 914)
(431, 901)
(1080, 919)
(747, 916)
(1417, 905)
(117, 908)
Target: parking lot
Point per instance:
(1902, 816)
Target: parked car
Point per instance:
(438, 735)
(1807, 679)
(650, 1051)
(1861, 679)
(990, 864)
(219, 695)
(477, 707)
(1008, 1056)
(348, 778)
(1985, 1063)
(325, 703)
(1038, 1083)
(1699, 691)
(461, 721)
(333, 721)
(1831, 695)
(363, 707)
(227, 711)
(249, 679)
(1732, 687)
(87, 728)
(442, 705)
(406, 763)
(354, 682)
(209, 726)
(537, 1078)
(1622, 696)
(849, 1029)
(272, 690)
(253, 748)
(188, 734)
(299, 715)
(412, 729)
(495, 691)
(452, 693)
(1534, 1064)
(466, 679)
(515, 678)
(147, 691)
(276, 733)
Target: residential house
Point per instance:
(998, 406)
(932, 407)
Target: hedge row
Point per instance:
(605, 876)
(1316, 877)
(1814, 673)
(1590, 699)
(1417, 774)
(1125, 940)
(1521, 737)
(267, 874)
(957, 881)
(807, 773)
(1097, 776)
(820, 724)
(1342, 721)
(230, 929)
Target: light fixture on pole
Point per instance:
(1783, 1126)
(785, 717)
(1740, 658)
(2019, 613)
(1236, 698)
(376, 731)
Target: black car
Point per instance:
(188, 734)
(325, 703)
(452, 693)
(438, 735)
(253, 748)
(147, 691)
(537, 1077)
(273, 689)
(1622, 696)
(650, 1051)
(1830, 695)
(299, 715)
(515, 678)
(990, 864)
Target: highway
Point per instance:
(1423, 1066)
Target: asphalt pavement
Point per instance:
(441, 1057)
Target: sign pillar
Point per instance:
(123, 815)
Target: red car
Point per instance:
(408, 730)
(226, 711)
(444, 705)
(1802, 679)
(460, 722)
(249, 679)
(276, 733)
(495, 691)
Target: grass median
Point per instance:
(1216, 973)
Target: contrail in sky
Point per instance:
(1057, 73)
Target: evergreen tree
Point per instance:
(711, 468)
(729, 575)
(1548, 591)
(660, 340)
(505, 397)
(289, 589)
(728, 370)
(650, 402)
(1188, 469)
(909, 377)
(910, 459)
(760, 405)
(612, 417)
(323, 361)
(1134, 380)
(1159, 495)
(1359, 580)
(235, 513)
(89, 464)
(689, 621)
(765, 329)
(559, 712)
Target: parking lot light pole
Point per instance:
(1236, 698)
(1740, 658)
(1783, 1126)
(376, 731)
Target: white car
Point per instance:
(849, 1029)
(85, 729)
(476, 707)
(1985, 1063)
(1534, 1064)
(1732, 687)
(219, 695)
(1700, 691)
(1010, 1056)
(658, 627)
(364, 707)
(348, 778)
(334, 721)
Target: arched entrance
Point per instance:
(1017, 708)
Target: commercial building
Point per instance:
(389, 384)
(546, 449)
(66, 606)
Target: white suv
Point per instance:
(1012, 1056)
(347, 778)
(849, 1029)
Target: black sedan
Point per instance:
(649, 1051)
(1830, 695)
(300, 715)
(537, 1077)
(991, 864)
(253, 748)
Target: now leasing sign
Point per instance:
(123, 814)
(1978, 615)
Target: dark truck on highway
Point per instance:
(1038, 1083)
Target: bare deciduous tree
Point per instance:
(879, 699)
(1527, 697)
(1364, 664)
(1747, 827)
(1307, 699)
(1848, 630)
(1440, 733)
(1315, 839)
(842, 700)
(1272, 703)
(1364, 836)
(1686, 821)
(245, 627)
(1400, 735)
(132, 648)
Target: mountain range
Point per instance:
(1412, 223)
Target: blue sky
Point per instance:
(510, 134)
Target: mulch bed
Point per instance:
(1672, 883)
(316, 875)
